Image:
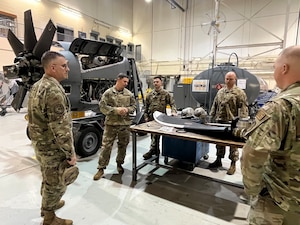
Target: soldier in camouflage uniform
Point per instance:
(271, 156)
(50, 130)
(230, 102)
(157, 100)
(116, 104)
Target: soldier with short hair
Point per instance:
(50, 130)
(116, 104)
(271, 156)
(157, 100)
(230, 102)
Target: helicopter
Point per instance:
(93, 65)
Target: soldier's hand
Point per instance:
(122, 111)
(72, 161)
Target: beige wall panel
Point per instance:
(116, 13)
(166, 49)
(248, 22)
(147, 45)
(142, 18)
(6, 54)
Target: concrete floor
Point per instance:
(160, 196)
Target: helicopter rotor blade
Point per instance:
(27, 65)
(19, 98)
(14, 42)
(45, 41)
(29, 33)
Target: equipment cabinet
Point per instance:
(184, 150)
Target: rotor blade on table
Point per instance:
(14, 42)
(29, 33)
(45, 41)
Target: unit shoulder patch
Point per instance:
(260, 114)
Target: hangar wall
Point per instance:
(174, 41)
(179, 42)
(114, 15)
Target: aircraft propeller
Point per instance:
(27, 64)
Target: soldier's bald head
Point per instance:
(230, 79)
(287, 67)
(291, 56)
(231, 74)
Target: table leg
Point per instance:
(134, 170)
(157, 137)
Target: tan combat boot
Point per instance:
(51, 219)
(120, 168)
(60, 204)
(99, 174)
(231, 169)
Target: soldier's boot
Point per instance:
(231, 169)
(99, 174)
(120, 168)
(51, 219)
(217, 163)
(149, 154)
(60, 204)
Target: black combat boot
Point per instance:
(3, 112)
(120, 168)
(149, 154)
(217, 163)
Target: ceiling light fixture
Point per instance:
(70, 11)
(125, 32)
(102, 23)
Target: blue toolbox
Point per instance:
(184, 150)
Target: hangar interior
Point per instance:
(178, 39)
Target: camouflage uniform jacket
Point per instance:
(158, 101)
(273, 161)
(111, 99)
(50, 122)
(227, 103)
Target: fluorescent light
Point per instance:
(148, 1)
(124, 32)
(102, 23)
(69, 11)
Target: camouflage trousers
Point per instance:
(233, 154)
(53, 186)
(110, 134)
(264, 211)
(154, 142)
